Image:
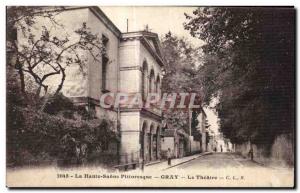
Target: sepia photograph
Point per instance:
(150, 96)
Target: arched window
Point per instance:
(150, 142)
(157, 89)
(151, 82)
(144, 80)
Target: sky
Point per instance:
(160, 20)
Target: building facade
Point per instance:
(176, 140)
(202, 129)
(198, 136)
(132, 64)
(140, 73)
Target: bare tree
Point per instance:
(47, 55)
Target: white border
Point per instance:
(110, 2)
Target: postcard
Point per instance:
(150, 97)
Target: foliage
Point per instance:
(40, 52)
(181, 63)
(56, 131)
(249, 66)
(19, 20)
(194, 121)
(13, 91)
(59, 103)
(180, 75)
(63, 106)
(55, 136)
(49, 128)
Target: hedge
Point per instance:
(39, 138)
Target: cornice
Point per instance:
(141, 36)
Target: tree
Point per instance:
(35, 54)
(249, 66)
(181, 63)
(43, 55)
(18, 19)
(180, 75)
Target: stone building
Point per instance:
(202, 129)
(198, 136)
(132, 64)
(140, 72)
(175, 139)
(212, 143)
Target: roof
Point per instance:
(105, 20)
(100, 15)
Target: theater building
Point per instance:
(140, 72)
(132, 64)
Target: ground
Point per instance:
(231, 169)
(201, 170)
(220, 160)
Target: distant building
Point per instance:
(176, 140)
(212, 143)
(198, 134)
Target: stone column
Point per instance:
(145, 146)
(130, 135)
(158, 144)
(151, 147)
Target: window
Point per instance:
(104, 72)
(157, 89)
(144, 80)
(105, 60)
(151, 82)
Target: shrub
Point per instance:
(37, 137)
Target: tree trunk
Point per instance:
(22, 82)
(61, 82)
(21, 75)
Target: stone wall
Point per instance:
(195, 145)
(283, 149)
(130, 74)
(95, 67)
(168, 142)
(130, 137)
(281, 152)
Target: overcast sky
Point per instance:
(160, 20)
